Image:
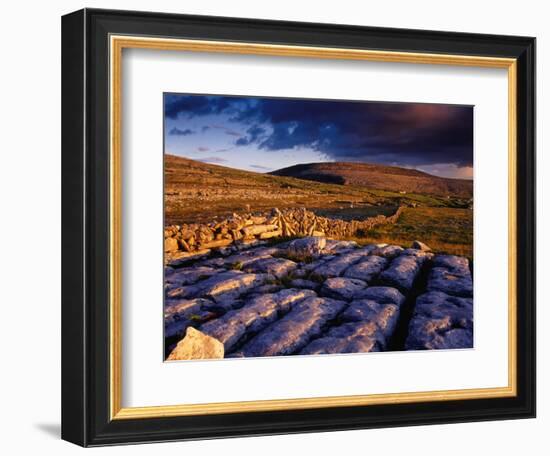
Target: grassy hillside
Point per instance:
(443, 229)
(199, 192)
(381, 177)
(196, 191)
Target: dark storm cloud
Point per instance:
(253, 135)
(410, 134)
(177, 132)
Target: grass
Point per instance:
(202, 193)
(197, 192)
(237, 266)
(297, 257)
(445, 230)
(285, 280)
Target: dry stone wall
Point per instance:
(242, 230)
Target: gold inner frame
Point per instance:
(117, 44)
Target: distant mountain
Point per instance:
(381, 177)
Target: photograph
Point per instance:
(297, 226)
(274, 227)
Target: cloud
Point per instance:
(177, 132)
(410, 134)
(253, 134)
(212, 160)
(203, 149)
(228, 131)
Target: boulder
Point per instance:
(170, 244)
(388, 251)
(342, 288)
(271, 234)
(311, 245)
(420, 246)
(196, 345)
(254, 230)
(335, 246)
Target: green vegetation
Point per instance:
(445, 230)
(237, 266)
(297, 257)
(196, 192)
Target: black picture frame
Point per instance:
(85, 228)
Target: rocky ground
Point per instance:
(316, 296)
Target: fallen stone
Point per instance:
(342, 288)
(292, 332)
(418, 253)
(254, 230)
(171, 244)
(402, 272)
(367, 268)
(216, 244)
(196, 345)
(311, 245)
(335, 246)
(388, 251)
(441, 321)
(271, 234)
(420, 246)
(253, 316)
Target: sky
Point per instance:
(264, 134)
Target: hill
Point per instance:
(381, 177)
(197, 192)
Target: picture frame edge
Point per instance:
(86, 408)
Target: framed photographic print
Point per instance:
(278, 227)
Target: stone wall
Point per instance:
(248, 228)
